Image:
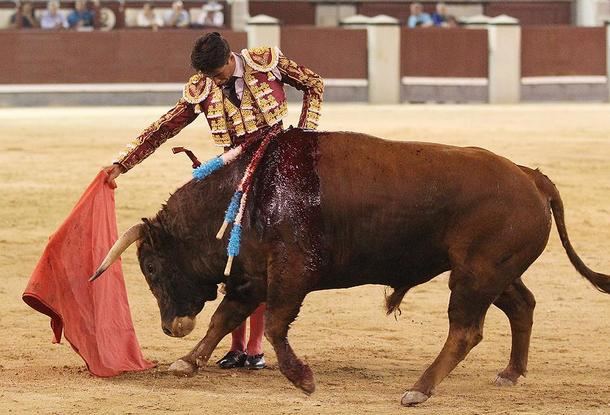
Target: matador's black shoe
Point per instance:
(255, 362)
(232, 360)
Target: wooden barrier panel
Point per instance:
(34, 57)
(331, 52)
(563, 51)
(444, 52)
(141, 56)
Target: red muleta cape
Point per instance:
(94, 316)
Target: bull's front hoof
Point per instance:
(306, 383)
(411, 398)
(502, 381)
(182, 368)
(302, 378)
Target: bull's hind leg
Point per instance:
(470, 299)
(288, 283)
(518, 303)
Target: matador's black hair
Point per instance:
(210, 52)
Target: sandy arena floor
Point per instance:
(363, 361)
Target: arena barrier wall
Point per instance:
(563, 63)
(338, 55)
(563, 51)
(128, 56)
(437, 65)
(443, 64)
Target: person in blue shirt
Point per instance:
(440, 17)
(418, 18)
(80, 16)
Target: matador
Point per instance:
(243, 99)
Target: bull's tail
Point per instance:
(392, 301)
(546, 186)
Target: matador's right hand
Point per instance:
(112, 172)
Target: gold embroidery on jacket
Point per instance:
(261, 90)
(197, 89)
(234, 117)
(248, 113)
(262, 93)
(153, 128)
(262, 59)
(217, 119)
(308, 82)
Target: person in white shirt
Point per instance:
(52, 18)
(148, 18)
(211, 15)
(177, 16)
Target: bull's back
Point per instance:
(396, 205)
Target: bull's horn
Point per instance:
(130, 236)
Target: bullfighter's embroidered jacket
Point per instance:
(263, 105)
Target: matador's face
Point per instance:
(221, 75)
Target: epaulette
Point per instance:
(262, 59)
(197, 89)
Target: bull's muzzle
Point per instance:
(179, 326)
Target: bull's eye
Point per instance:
(150, 268)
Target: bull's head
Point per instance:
(180, 294)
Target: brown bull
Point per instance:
(338, 210)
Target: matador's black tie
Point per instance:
(229, 91)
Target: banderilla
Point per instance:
(196, 163)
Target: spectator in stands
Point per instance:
(439, 17)
(106, 19)
(52, 18)
(24, 17)
(177, 16)
(211, 15)
(80, 16)
(418, 18)
(452, 21)
(148, 18)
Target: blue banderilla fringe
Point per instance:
(234, 241)
(207, 168)
(233, 208)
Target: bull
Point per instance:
(335, 210)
